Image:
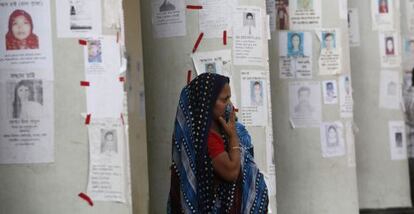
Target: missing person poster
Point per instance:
(408, 53)
(353, 27)
(102, 54)
(254, 103)
(350, 144)
(27, 116)
(248, 36)
(305, 14)
(215, 17)
(389, 46)
(330, 55)
(107, 177)
(397, 139)
(330, 92)
(78, 18)
(168, 18)
(390, 90)
(382, 14)
(25, 34)
(305, 104)
(332, 139)
(295, 55)
(346, 103)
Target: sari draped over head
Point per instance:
(194, 187)
(12, 43)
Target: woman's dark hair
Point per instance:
(249, 14)
(328, 35)
(17, 103)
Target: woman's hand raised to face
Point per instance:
(230, 126)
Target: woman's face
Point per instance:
(23, 93)
(390, 45)
(332, 133)
(295, 41)
(221, 102)
(21, 27)
(328, 42)
(93, 50)
(257, 91)
(109, 137)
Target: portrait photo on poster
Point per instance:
(304, 4)
(21, 33)
(305, 104)
(332, 139)
(94, 51)
(282, 14)
(397, 140)
(25, 99)
(256, 92)
(249, 21)
(330, 92)
(109, 141)
(382, 13)
(295, 44)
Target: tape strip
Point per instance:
(86, 198)
(88, 119)
(188, 76)
(122, 79)
(194, 7)
(83, 42)
(84, 83)
(225, 37)
(200, 37)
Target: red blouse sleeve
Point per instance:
(215, 145)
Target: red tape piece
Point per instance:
(188, 76)
(88, 119)
(122, 79)
(84, 83)
(83, 42)
(200, 37)
(194, 7)
(86, 198)
(225, 37)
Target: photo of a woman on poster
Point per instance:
(20, 32)
(25, 104)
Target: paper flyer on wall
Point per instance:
(408, 53)
(346, 103)
(409, 6)
(305, 14)
(295, 55)
(389, 45)
(330, 92)
(282, 14)
(331, 49)
(305, 104)
(248, 36)
(216, 62)
(332, 139)
(254, 98)
(107, 178)
(168, 18)
(353, 27)
(215, 17)
(26, 37)
(343, 9)
(350, 144)
(27, 116)
(390, 90)
(113, 13)
(78, 18)
(102, 54)
(382, 14)
(397, 139)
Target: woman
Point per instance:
(20, 34)
(295, 49)
(212, 169)
(24, 106)
(389, 46)
(383, 6)
(283, 17)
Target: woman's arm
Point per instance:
(227, 164)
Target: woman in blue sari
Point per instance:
(212, 170)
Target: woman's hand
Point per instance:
(229, 127)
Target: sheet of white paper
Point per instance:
(408, 53)
(78, 18)
(409, 6)
(295, 55)
(112, 13)
(398, 146)
(248, 36)
(390, 90)
(353, 27)
(389, 44)
(330, 56)
(168, 18)
(305, 14)
(332, 139)
(28, 44)
(216, 62)
(305, 104)
(27, 116)
(215, 17)
(330, 92)
(107, 178)
(343, 9)
(271, 12)
(382, 14)
(346, 103)
(254, 98)
(350, 144)
(282, 14)
(101, 55)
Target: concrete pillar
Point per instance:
(382, 182)
(306, 181)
